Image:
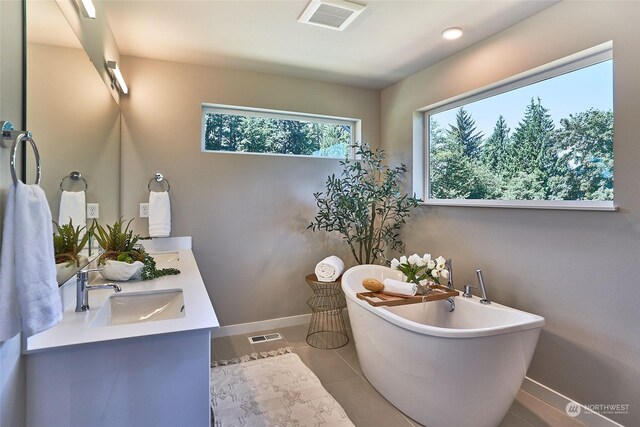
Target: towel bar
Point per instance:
(159, 178)
(74, 176)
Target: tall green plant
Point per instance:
(365, 205)
(67, 244)
(118, 243)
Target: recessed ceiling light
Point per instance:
(452, 33)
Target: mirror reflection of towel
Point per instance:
(73, 206)
(159, 214)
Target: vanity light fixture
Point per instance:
(115, 72)
(88, 9)
(452, 33)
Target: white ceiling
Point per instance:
(388, 42)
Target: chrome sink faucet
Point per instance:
(83, 288)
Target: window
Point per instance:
(249, 130)
(543, 139)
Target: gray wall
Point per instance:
(247, 213)
(64, 88)
(580, 270)
(12, 374)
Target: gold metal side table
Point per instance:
(327, 329)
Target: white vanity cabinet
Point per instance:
(80, 373)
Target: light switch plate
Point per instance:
(144, 210)
(93, 210)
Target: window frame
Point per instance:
(207, 108)
(421, 161)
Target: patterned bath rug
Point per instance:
(272, 391)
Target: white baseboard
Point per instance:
(560, 402)
(247, 328)
(281, 322)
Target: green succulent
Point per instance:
(149, 271)
(118, 242)
(67, 243)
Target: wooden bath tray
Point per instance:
(378, 299)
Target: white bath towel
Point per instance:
(159, 214)
(29, 298)
(9, 313)
(329, 269)
(73, 206)
(393, 286)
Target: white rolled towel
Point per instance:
(329, 269)
(393, 286)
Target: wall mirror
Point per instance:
(71, 113)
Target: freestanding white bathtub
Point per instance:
(441, 368)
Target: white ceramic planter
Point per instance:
(65, 270)
(121, 271)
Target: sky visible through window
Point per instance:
(569, 93)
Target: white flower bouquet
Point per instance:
(418, 269)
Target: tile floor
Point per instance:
(339, 372)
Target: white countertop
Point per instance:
(75, 328)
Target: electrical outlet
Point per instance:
(144, 210)
(93, 210)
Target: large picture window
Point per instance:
(247, 130)
(545, 137)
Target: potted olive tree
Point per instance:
(365, 205)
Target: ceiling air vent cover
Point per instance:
(334, 14)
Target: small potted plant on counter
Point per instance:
(123, 259)
(67, 244)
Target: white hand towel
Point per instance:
(159, 214)
(393, 286)
(28, 265)
(329, 269)
(73, 206)
(9, 313)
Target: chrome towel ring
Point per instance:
(24, 137)
(74, 176)
(159, 178)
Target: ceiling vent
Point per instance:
(334, 14)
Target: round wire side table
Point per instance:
(327, 329)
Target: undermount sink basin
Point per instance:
(140, 307)
(165, 256)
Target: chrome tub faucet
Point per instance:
(483, 291)
(449, 266)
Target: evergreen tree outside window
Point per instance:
(545, 137)
(249, 130)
